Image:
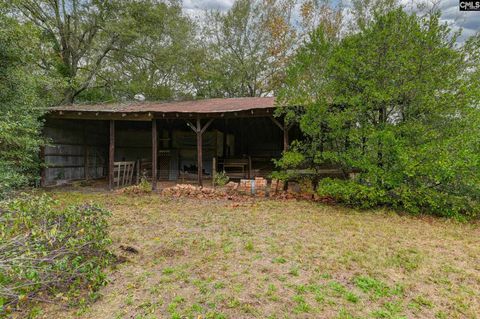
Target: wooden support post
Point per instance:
(154, 155)
(199, 130)
(111, 154)
(199, 153)
(137, 165)
(242, 136)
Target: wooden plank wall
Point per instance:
(74, 144)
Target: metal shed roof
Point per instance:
(217, 105)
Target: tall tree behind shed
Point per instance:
(247, 48)
(78, 35)
(162, 47)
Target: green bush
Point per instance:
(10, 180)
(437, 202)
(50, 251)
(352, 193)
(412, 200)
(220, 178)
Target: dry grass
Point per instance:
(276, 259)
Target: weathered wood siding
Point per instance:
(76, 150)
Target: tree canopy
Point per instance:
(396, 101)
(111, 50)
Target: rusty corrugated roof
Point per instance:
(193, 106)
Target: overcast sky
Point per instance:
(469, 21)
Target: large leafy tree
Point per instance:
(109, 49)
(77, 36)
(398, 102)
(245, 49)
(154, 60)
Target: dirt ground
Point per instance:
(279, 259)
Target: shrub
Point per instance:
(47, 250)
(437, 202)
(144, 187)
(220, 178)
(10, 180)
(410, 199)
(351, 193)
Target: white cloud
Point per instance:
(196, 8)
(468, 21)
(222, 5)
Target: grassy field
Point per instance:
(280, 259)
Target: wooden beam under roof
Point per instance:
(148, 116)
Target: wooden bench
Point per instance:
(242, 165)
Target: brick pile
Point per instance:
(232, 186)
(273, 187)
(276, 187)
(188, 190)
(260, 187)
(245, 186)
(243, 190)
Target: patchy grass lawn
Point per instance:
(281, 259)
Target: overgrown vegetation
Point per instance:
(218, 258)
(48, 252)
(20, 105)
(397, 101)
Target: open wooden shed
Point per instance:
(179, 140)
